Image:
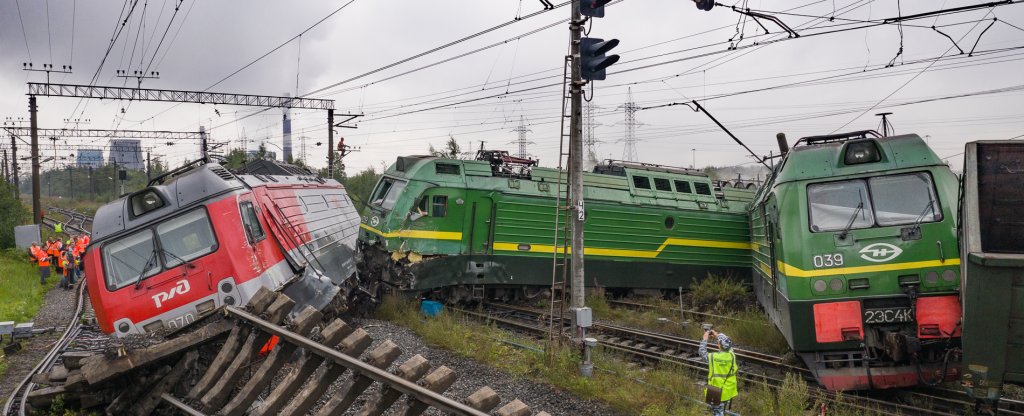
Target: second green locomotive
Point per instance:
(486, 227)
(856, 261)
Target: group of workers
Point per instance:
(65, 256)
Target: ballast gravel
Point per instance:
(56, 312)
(473, 375)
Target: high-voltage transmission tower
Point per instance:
(630, 108)
(521, 141)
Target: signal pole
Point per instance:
(576, 169)
(37, 206)
(14, 167)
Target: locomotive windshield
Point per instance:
(876, 202)
(181, 239)
(387, 193)
(126, 257)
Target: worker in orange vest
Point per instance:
(43, 260)
(53, 250)
(79, 252)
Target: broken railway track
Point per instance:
(250, 361)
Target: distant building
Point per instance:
(89, 157)
(127, 153)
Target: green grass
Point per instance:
(732, 308)
(665, 390)
(21, 295)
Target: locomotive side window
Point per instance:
(642, 182)
(904, 199)
(251, 223)
(683, 187)
(835, 205)
(702, 188)
(126, 259)
(186, 237)
(440, 206)
(662, 184)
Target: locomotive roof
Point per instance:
(825, 159)
(427, 166)
(182, 191)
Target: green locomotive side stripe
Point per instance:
(617, 252)
(431, 235)
(792, 271)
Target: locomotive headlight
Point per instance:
(949, 276)
(820, 286)
(864, 151)
(836, 285)
(124, 327)
(931, 277)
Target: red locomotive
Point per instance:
(201, 237)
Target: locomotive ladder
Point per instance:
(560, 257)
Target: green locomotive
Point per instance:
(992, 266)
(855, 259)
(487, 227)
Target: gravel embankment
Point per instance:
(473, 375)
(57, 310)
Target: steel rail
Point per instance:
(429, 397)
(25, 386)
(862, 402)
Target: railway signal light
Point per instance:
(592, 57)
(705, 5)
(593, 8)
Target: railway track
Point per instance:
(227, 366)
(73, 220)
(16, 402)
(757, 367)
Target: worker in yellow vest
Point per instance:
(722, 369)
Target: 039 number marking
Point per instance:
(828, 260)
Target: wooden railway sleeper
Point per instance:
(381, 357)
(353, 345)
(257, 305)
(277, 358)
(306, 365)
(219, 393)
(412, 370)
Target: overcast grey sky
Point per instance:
(827, 79)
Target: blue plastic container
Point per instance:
(430, 308)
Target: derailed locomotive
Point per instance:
(201, 237)
(486, 227)
(856, 259)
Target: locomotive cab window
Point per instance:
(439, 207)
(702, 188)
(387, 193)
(186, 237)
(836, 205)
(904, 199)
(251, 223)
(880, 201)
(642, 182)
(130, 259)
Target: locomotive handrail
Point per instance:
(183, 168)
(838, 137)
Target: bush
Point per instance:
(719, 294)
(15, 214)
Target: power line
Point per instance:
(430, 51)
(24, 34)
(911, 78)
